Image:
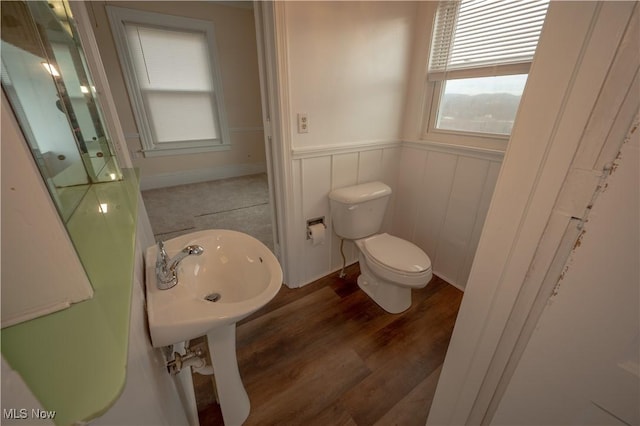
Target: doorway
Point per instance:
(192, 182)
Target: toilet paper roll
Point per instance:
(317, 232)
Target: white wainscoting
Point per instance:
(442, 200)
(441, 194)
(315, 174)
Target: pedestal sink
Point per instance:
(235, 276)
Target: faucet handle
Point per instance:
(163, 257)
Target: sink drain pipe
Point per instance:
(191, 358)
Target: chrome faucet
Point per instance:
(166, 268)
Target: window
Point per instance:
(480, 56)
(172, 77)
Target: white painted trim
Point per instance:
(464, 150)
(448, 280)
(258, 17)
(163, 152)
(160, 151)
(118, 16)
(344, 148)
(275, 36)
(419, 90)
(132, 136)
(565, 81)
(273, 97)
(200, 175)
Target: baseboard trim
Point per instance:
(165, 180)
(449, 281)
(349, 263)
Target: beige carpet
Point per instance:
(240, 204)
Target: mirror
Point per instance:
(45, 77)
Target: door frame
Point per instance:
(274, 87)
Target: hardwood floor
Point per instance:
(326, 354)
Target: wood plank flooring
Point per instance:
(326, 354)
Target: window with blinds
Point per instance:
(481, 52)
(172, 79)
(173, 72)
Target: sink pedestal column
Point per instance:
(234, 400)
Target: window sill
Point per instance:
(457, 149)
(161, 152)
(476, 141)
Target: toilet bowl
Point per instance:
(390, 266)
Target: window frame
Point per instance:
(118, 17)
(459, 137)
(434, 83)
(456, 137)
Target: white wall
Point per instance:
(349, 68)
(582, 361)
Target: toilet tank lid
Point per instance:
(360, 193)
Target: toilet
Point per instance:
(390, 266)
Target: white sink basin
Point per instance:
(233, 277)
(236, 269)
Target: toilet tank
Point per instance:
(357, 211)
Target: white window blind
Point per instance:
(173, 72)
(498, 35)
(170, 65)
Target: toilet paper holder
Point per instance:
(314, 221)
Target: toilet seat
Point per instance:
(397, 254)
(396, 260)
